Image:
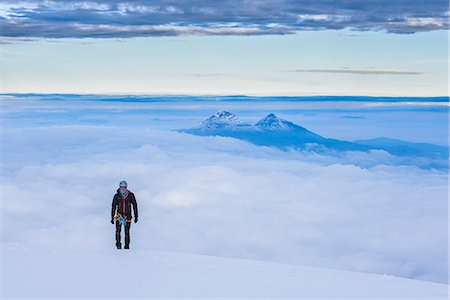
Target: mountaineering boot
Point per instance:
(119, 246)
(127, 247)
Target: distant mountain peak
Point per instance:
(272, 122)
(220, 119)
(224, 114)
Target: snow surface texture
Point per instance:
(164, 275)
(220, 196)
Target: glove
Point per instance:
(135, 219)
(112, 221)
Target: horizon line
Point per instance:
(224, 95)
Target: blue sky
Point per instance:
(278, 47)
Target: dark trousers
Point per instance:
(127, 233)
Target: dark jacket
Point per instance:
(123, 206)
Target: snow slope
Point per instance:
(148, 273)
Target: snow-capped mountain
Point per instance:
(277, 132)
(221, 119)
(269, 131)
(272, 122)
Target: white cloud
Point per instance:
(318, 17)
(221, 196)
(125, 7)
(427, 21)
(361, 71)
(7, 9)
(216, 195)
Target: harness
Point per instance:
(122, 216)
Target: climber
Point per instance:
(121, 213)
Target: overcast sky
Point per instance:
(276, 47)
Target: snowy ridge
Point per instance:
(224, 118)
(166, 274)
(224, 122)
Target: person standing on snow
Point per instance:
(121, 212)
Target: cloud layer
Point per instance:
(365, 71)
(124, 19)
(220, 196)
(212, 195)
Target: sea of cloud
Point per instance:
(61, 164)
